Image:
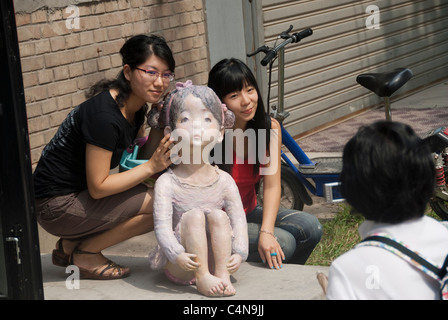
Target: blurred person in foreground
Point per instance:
(388, 177)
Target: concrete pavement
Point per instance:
(253, 281)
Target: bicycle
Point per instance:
(384, 85)
(320, 176)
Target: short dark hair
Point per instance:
(388, 174)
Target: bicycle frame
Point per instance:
(324, 183)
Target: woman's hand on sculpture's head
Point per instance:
(160, 160)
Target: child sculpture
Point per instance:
(199, 219)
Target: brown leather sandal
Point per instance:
(99, 272)
(59, 257)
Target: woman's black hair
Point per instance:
(134, 52)
(388, 173)
(231, 75)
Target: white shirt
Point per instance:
(373, 273)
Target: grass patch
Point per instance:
(340, 234)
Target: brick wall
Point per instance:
(60, 63)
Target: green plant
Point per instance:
(340, 234)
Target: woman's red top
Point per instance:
(245, 180)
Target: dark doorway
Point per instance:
(20, 264)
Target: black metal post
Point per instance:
(20, 263)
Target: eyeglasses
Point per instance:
(153, 75)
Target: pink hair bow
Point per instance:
(179, 86)
(182, 85)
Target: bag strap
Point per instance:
(444, 269)
(137, 142)
(413, 258)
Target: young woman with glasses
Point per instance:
(77, 198)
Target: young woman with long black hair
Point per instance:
(77, 198)
(275, 235)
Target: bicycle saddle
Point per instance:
(385, 84)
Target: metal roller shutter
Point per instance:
(320, 72)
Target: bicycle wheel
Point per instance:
(440, 207)
(290, 198)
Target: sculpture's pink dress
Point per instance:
(174, 196)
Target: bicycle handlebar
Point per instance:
(302, 34)
(272, 52)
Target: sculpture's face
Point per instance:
(198, 122)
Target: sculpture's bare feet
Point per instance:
(210, 285)
(225, 277)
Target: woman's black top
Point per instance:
(98, 121)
